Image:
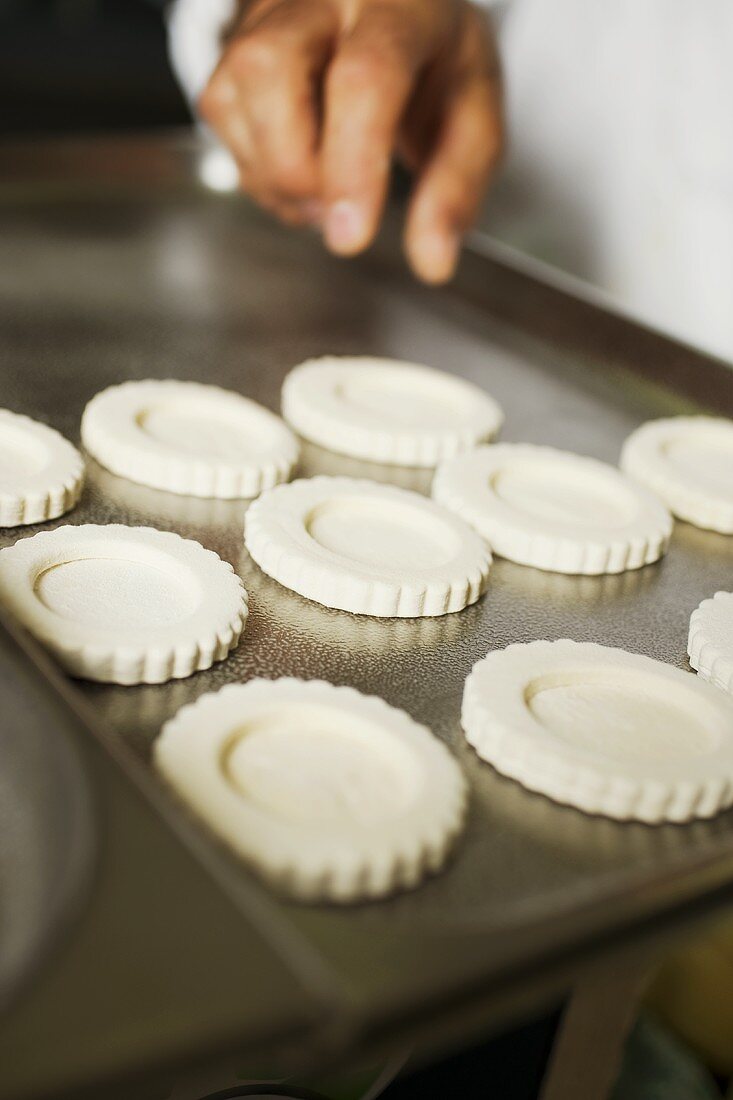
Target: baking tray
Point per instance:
(116, 264)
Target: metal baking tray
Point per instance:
(116, 264)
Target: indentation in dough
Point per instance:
(424, 404)
(705, 460)
(115, 592)
(206, 429)
(624, 717)
(382, 533)
(564, 494)
(310, 764)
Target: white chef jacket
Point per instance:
(620, 162)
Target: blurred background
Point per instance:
(67, 65)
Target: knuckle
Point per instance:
(367, 67)
(352, 71)
(256, 53)
(396, 28)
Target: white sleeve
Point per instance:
(195, 29)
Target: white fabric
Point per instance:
(621, 161)
(194, 38)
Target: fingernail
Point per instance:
(436, 256)
(345, 227)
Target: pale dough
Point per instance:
(126, 605)
(606, 731)
(555, 510)
(188, 438)
(327, 793)
(367, 548)
(710, 641)
(384, 410)
(688, 462)
(41, 473)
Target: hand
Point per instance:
(315, 98)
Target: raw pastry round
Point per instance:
(384, 410)
(187, 438)
(555, 510)
(126, 605)
(327, 793)
(710, 642)
(688, 462)
(368, 548)
(609, 732)
(41, 474)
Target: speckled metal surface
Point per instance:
(101, 283)
(46, 825)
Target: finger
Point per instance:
(293, 212)
(454, 180)
(234, 131)
(263, 99)
(278, 64)
(367, 89)
(219, 106)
